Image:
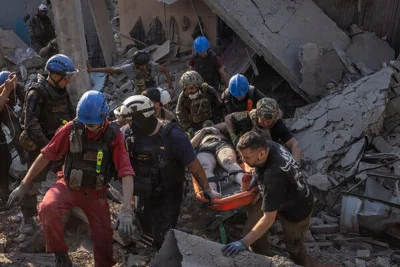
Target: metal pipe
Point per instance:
(197, 17)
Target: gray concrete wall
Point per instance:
(11, 17)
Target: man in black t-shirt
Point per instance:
(286, 196)
(265, 118)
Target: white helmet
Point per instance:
(122, 112)
(140, 103)
(42, 7)
(165, 96)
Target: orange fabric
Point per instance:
(249, 104)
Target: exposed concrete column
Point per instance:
(104, 31)
(68, 23)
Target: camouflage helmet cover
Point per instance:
(191, 79)
(268, 109)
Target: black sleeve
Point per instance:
(279, 132)
(258, 95)
(274, 191)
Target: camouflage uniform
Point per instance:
(189, 114)
(41, 31)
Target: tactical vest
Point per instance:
(144, 80)
(55, 111)
(201, 109)
(237, 106)
(207, 68)
(153, 172)
(90, 163)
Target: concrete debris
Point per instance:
(161, 51)
(277, 29)
(318, 68)
(325, 228)
(382, 262)
(341, 118)
(354, 30)
(370, 50)
(10, 41)
(344, 58)
(181, 249)
(381, 145)
(360, 263)
(3, 243)
(319, 181)
(348, 264)
(364, 254)
(136, 260)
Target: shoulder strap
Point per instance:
(166, 128)
(111, 132)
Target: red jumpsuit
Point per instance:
(59, 200)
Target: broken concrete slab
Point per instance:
(161, 51)
(364, 254)
(10, 41)
(318, 68)
(352, 155)
(277, 29)
(182, 249)
(325, 228)
(319, 181)
(350, 114)
(235, 57)
(381, 145)
(369, 49)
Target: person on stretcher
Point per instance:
(212, 148)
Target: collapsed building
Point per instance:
(345, 116)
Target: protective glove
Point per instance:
(124, 223)
(233, 248)
(210, 195)
(17, 195)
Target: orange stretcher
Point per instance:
(233, 201)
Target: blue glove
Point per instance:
(233, 248)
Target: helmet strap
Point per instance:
(56, 83)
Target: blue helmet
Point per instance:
(238, 85)
(92, 108)
(201, 44)
(60, 64)
(4, 76)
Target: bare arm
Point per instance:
(260, 228)
(37, 167)
(224, 77)
(221, 127)
(103, 70)
(127, 188)
(229, 126)
(198, 137)
(6, 90)
(293, 145)
(198, 173)
(169, 80)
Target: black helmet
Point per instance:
(141, 58)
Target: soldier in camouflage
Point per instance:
(265, 118)
(40, 29)
(197, 102)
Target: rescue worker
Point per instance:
(197, 102)
(265, 118)
(286, 197)
(6, 89)
(122, 115)
(160, 112)
(165, 97)
(240, 95)
(142, 71)
(159, 152)
(40, 29)
(47, 107)
(214, 148)
(9, 117)
(208, 64)
(93, 148)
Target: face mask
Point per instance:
(143, 126)
(195, 95)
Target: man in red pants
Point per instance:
(93, 148)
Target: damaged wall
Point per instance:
(329, 129)
(277, 29)
(381, 17)
(130, 10)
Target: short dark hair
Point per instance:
(252, 140)
(154, 94)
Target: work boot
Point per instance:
(36, 244)
(63, 261)
(28, 226)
